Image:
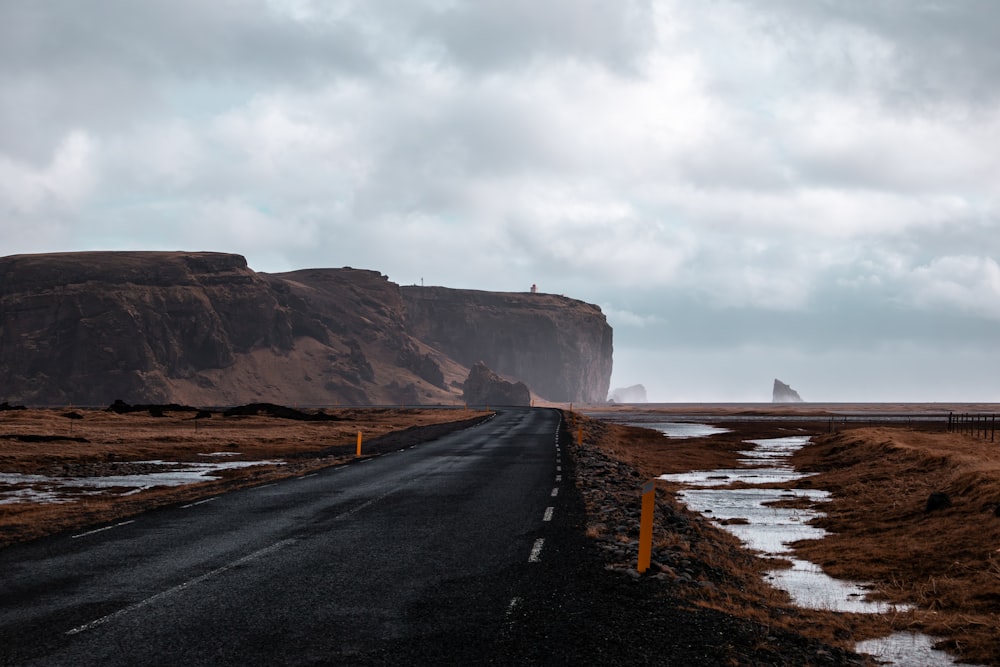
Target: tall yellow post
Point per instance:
(646, 525)
(359, 443)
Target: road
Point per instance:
(416, 556)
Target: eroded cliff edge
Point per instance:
(204, 329)
(560, 347)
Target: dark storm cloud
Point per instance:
(495, 35)
(940, 51)
(101, 65)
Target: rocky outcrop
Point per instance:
(782, 393)
(484, 387)
(559, 347)
(634, 394)
(202, 328)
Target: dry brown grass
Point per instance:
(112, 438)
(946, 562)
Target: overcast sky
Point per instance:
(750, 190)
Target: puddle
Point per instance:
(770, 530)
(906, 648)
(681, 429)
(18, 488)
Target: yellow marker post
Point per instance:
(646, 525)
(579, 436)
(359, 443)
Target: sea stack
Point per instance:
(782, 393)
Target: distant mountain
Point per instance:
(782, 393)
(202, 328)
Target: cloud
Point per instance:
(966, 283)
(61, 185)
(738, 178)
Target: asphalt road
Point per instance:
(417, 556)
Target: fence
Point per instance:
(984, 426)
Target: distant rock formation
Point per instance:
(201, 328)
(484, 387)
(782, 393)
(634, 394)
(560, 347)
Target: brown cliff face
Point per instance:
(204, 329)
(72, 325)
(484, 387)
(559, 347)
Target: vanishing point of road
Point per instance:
(417, 556)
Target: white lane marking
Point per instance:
(558, 468)
(548, 513)
(555, 492)
(536, 550)
(558, 478)
(309, 475)
(199, 502)
(101, 530)
(178, 588)
(264, 486)
(514, 603)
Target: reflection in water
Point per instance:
(770, 530)
(19, 488)
(681, 429)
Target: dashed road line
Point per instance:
(558, 478)
(555, 492)
(306, 476)
(101, 530)
(536, 550)
(515, 602)
(178, 588)
(200, 502)
(548, 513)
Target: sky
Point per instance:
(750, 190)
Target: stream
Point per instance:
(746, 513)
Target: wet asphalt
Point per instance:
(432, 554)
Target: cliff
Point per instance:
(560, 347)
(204, 329)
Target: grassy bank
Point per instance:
(945, 562)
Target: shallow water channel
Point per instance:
(748, 514)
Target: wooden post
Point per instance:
(646, 525)
(359, 444)
(579, 436)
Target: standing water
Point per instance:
(770, 530)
